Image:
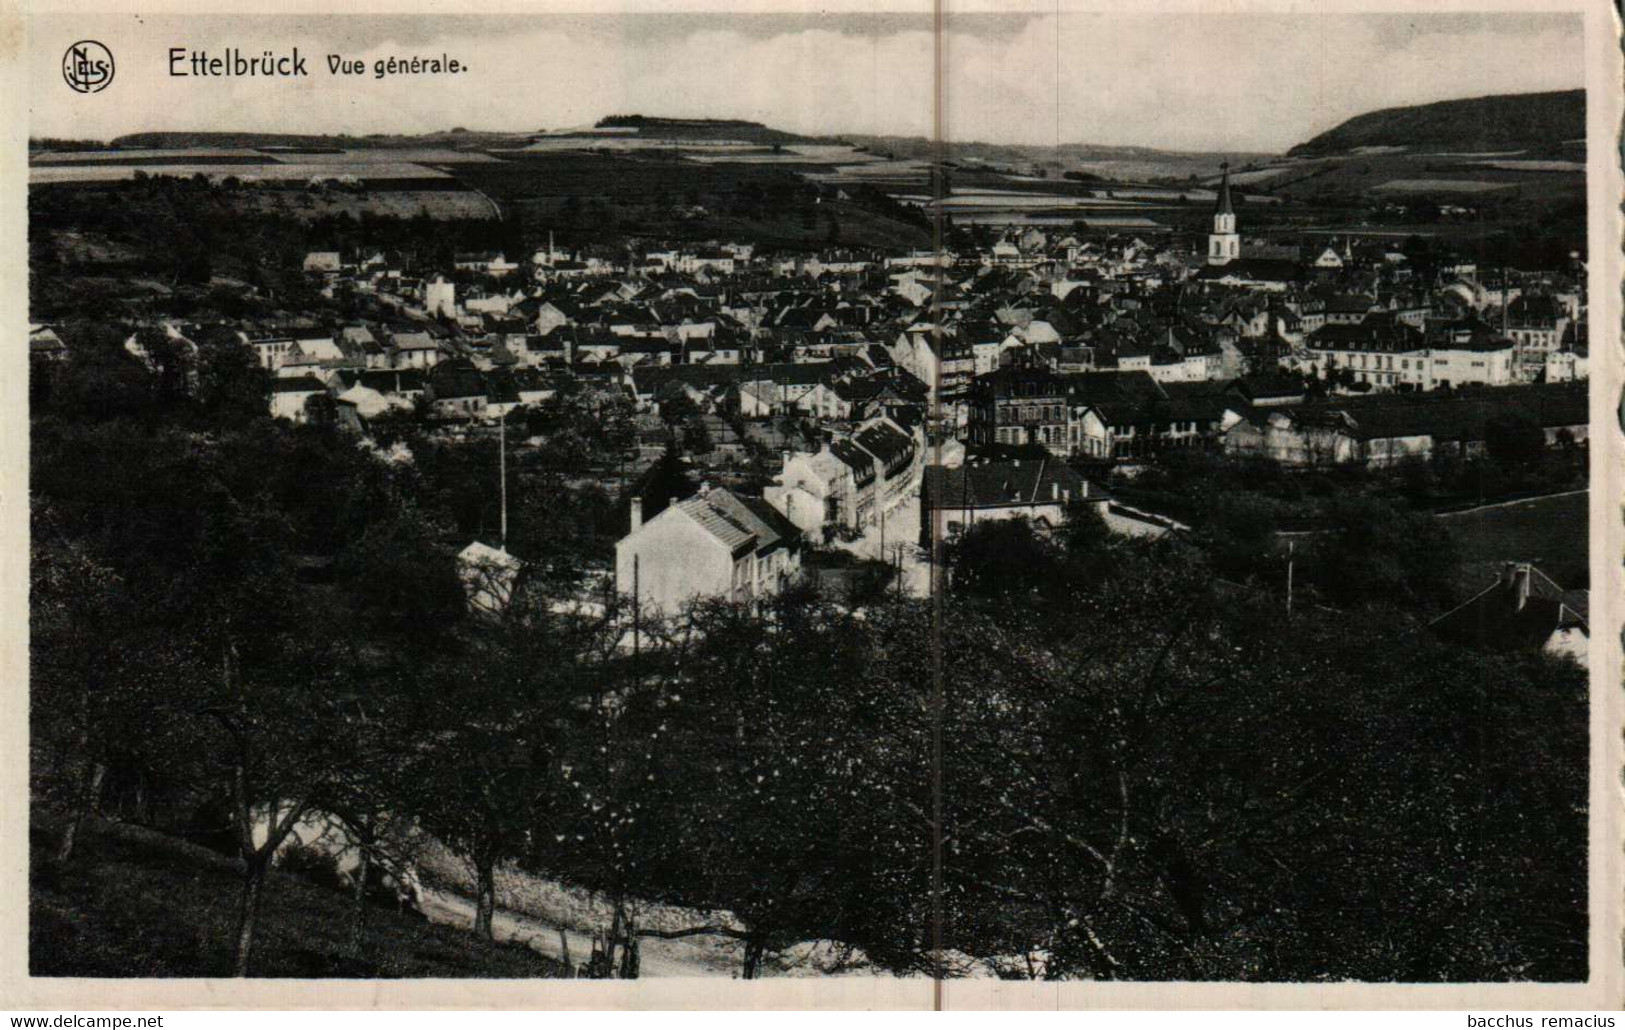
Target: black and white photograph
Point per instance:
(909, 497)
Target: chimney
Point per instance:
(637, 514)
(785, 454)
(1055, 491)
(1517, 579)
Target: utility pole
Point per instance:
(502, 464)
(1291, 546)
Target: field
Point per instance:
(668, 196)
(149, 158)
(135, 903)
(1551, 532)
(439, 204)
(1126, 163)
(270, 172)
(702, 180)
(1553, 173)
(1438, 186)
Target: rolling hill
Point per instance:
(1122, 163)
(183, 140)
(698, 129)
(1526, 120)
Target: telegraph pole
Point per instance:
(502, 464)
(1291, 546)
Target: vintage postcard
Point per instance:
(790, 505)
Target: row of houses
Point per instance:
(1384, 353)
(852, 481)
(451, 390)
(1383, 431)
(1130, 415)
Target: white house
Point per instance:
(414, 350)
(1470, 359)
(813, 491)
(954, 499)
(715, 544)
(440, 297)
(322, 262)
(290, 396)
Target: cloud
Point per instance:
(1180, 81)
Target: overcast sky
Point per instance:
(1235, 82)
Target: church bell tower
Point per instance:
(1224, 243)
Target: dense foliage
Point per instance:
(1086, 758)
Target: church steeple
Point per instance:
(1223, 243)
(1224, 207)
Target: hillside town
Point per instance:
(826, 395)
(603, 599)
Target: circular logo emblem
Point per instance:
(87, 66)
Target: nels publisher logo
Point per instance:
(87, 66)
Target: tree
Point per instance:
(232, 386)
(276, 678)
(484, 776)
(1005, 558)
(1513, 438)
(697, 436)
(98, 671)
(667, 480)
(742, 808)
(173, 363)
(1239, 536)
(402, 584)
(1380, 554)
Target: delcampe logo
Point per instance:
(87, 66)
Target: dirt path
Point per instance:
(690, 956)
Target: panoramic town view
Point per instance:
(672, 546)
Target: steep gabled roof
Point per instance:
(297, 384)
(861, 462)
(1224, 206)
(884, 441)
(1507, 616)
(741, 524)
(716, 521)
(997, 483)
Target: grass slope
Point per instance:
(135, 903)
(1552, 532)
(1515, 120)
